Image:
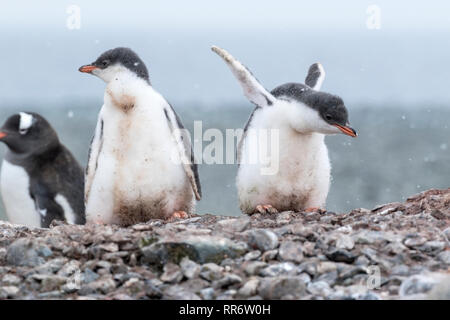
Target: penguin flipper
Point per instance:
(185, 149)
(253, 89)
(94, 151)
(315, 76)
(47, 208)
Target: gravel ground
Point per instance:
(395, 251)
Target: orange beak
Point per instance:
(347, 130)
(2, 135)
(87, 68)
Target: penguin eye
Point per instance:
(23, 131)
(105, 63)
(328, 116)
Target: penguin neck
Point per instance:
(124, 89)
(45, 153)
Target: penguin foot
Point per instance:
(266, 208)
(178, 215)
(315, 209)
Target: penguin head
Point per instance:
(28, 133)
(309, 110)
(113, 62)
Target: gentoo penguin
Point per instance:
(300, 115)
(141, 164)
(40, 179)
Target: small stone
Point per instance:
(177, 292)
(102, 285)
(269, 255)
(291, 251)
(326, 266)
(9, 292)
(444, 256)
(234, 225)
(414, 241)
(432, 246)
(278, 287)
(70, 287)
(250, 288)
(418, 284)
(69, 268)
(189, 268)
(252, 255)
(262, 239)
(89, 275)
(207, 293)
(152, 290)
(277, 269)
(52, 282)
(227, 280)
(172, 273)
(134, 285)
(319, 288)
(344, 241)
(211, 272)
(11, 280)
(24, 252)
(341, 255)
(253, 267)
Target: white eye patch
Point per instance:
(26, 120)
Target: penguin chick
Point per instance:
(141, 164)
(40, 181)
(298, 116)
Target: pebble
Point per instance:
(189, 268)
(278, 287)
(172, 273)
(262, 239)
(250, 288)
(291, 251)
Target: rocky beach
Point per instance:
(393, 251)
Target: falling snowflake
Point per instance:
(70, 114)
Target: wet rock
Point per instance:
(291, 251)
(262, 239)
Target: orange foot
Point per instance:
(178, 215)
(266, 208)
(314, 209)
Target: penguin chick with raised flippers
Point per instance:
(297, 116)
(140, 164)
(41, 181)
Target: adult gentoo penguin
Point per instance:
(40, 179)
(301, 115)
(141, 164)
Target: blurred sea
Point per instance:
(394, 156)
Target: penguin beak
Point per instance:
(2, 135)
(347, 130)
(87, 68)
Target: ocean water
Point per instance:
(399, 152)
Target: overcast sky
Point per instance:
(230, 14)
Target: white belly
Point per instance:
(301, 181)
(138, 173)
(19, 206)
